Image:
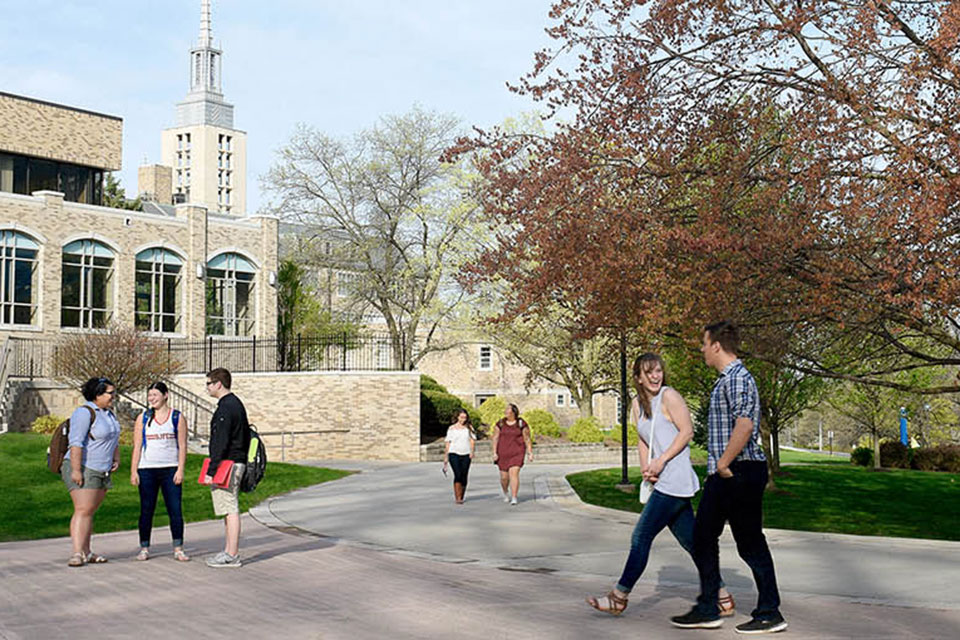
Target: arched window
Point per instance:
(87, 286)
(158, 277)
(231, 306)
(18, 278)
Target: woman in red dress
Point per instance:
(511, 440)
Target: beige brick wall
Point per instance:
(204, 166)
(57, 132)
(156, 182)
(376, 415)
(54, 223)
(458, 369)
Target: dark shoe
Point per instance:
(758, 625)
(696, 620)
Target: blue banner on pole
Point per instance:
(903, 427)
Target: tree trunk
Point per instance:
(772, 467)
(876, 450)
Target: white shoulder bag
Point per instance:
(646, 487)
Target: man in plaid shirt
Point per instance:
(733, 491)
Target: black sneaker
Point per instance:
(696, 620)
(758, 625)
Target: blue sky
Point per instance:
(334, 64)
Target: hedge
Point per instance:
(862, 457)
(585, 430)
(632, 437)
(542, 423)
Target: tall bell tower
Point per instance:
(207, 154)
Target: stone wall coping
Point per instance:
(264, 374)
(48, 192)
(18, 196)
(123, 213)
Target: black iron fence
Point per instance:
(35, 358)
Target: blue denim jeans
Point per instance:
(739, 501)
(153, 481)
(660, 511)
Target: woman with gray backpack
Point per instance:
(157, 465)
(669, 481)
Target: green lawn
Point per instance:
(35, 502)
(793, 457)
(829, 498)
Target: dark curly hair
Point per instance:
(95, 387)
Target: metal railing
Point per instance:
(35, 358)
(197, 410)
(6, 359)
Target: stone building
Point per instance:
(475, 371)
(70, 264)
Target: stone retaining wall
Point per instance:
(364, 415)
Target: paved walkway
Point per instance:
(385, 553)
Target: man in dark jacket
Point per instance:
(229, 440)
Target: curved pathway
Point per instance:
(386, 554)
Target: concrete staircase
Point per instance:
(566, 453)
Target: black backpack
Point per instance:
(256, 463)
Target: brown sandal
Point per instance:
(617, 604)
(727, 606)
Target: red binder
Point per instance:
(221, 478)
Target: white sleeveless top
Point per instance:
(162, 447)
(678, 479)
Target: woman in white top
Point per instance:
(459, 452)
(157, 464)
(674, 480)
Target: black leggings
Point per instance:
(461, 467)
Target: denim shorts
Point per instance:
(92, 479)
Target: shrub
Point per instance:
(131, 359)
(632, 437)
(429, 384)
(542, 423)
(585, 430)
(894, 455)
(862, 457)
(492, 410)
(437, 410)
(949, 457)
(927, 459)
(46, 424)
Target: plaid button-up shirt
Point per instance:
(734, 396)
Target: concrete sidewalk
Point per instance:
(385, 553)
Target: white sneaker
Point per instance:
(506, 496)
(513, 502)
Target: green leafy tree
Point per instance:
(399, 220)
(115, 197)
(299, 313)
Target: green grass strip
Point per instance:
(35, 503)
(830, 498)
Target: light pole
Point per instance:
(624, 397)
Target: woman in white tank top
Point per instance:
(157, 465)
(674, 480)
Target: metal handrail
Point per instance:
(197, 410)
(5, 360)
(293, 437)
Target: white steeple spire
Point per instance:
(206, 31)
(204, 103)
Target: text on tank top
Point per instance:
(162, 448)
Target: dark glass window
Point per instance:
(43, 176)
(21, 174)
(18, 278)
(87, 285)
(158, 291)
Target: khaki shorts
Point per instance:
(92, 479)
(225, 500)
